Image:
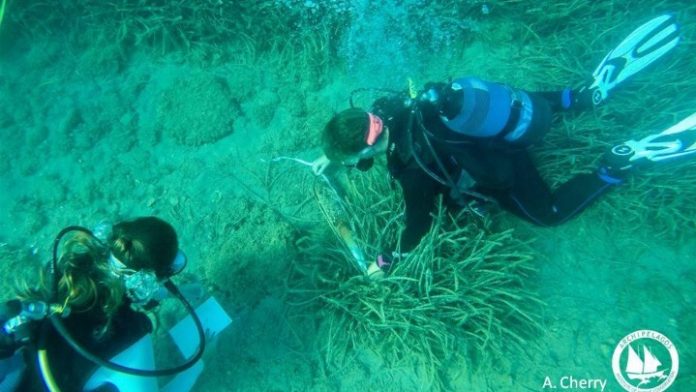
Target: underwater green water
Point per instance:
(178, 109)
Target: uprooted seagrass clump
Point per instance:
(464, 293)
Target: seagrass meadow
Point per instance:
(206, 113)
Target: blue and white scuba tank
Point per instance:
(487, 109)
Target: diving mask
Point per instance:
(143, 286)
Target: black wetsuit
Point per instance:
(502, 171)
(70, 369)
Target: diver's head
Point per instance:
(353, 137)
(147, 243)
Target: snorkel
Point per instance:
(56, 321)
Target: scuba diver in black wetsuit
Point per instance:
(467, 140)
(61, 335)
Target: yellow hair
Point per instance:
(85, 280)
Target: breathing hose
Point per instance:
(59, 326)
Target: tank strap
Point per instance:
(513, 120)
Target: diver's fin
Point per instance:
(675, 142)
(641, 48)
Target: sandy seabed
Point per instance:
(87, 138)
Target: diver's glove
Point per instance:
(384, 262)
(379, 268)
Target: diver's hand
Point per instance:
(374, 272)
(320, 164)
(378, 269)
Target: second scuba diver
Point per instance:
(467, 140)
(55, 336)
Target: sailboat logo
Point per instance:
(654, 370)
(645, 369)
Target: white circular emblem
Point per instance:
(622, 150)
(645, 361)
(597, 97)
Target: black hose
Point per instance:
(57, 322)
(448, 181)
(409, 128)
(437, 160)
(60, 327)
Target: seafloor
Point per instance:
(101, 121)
